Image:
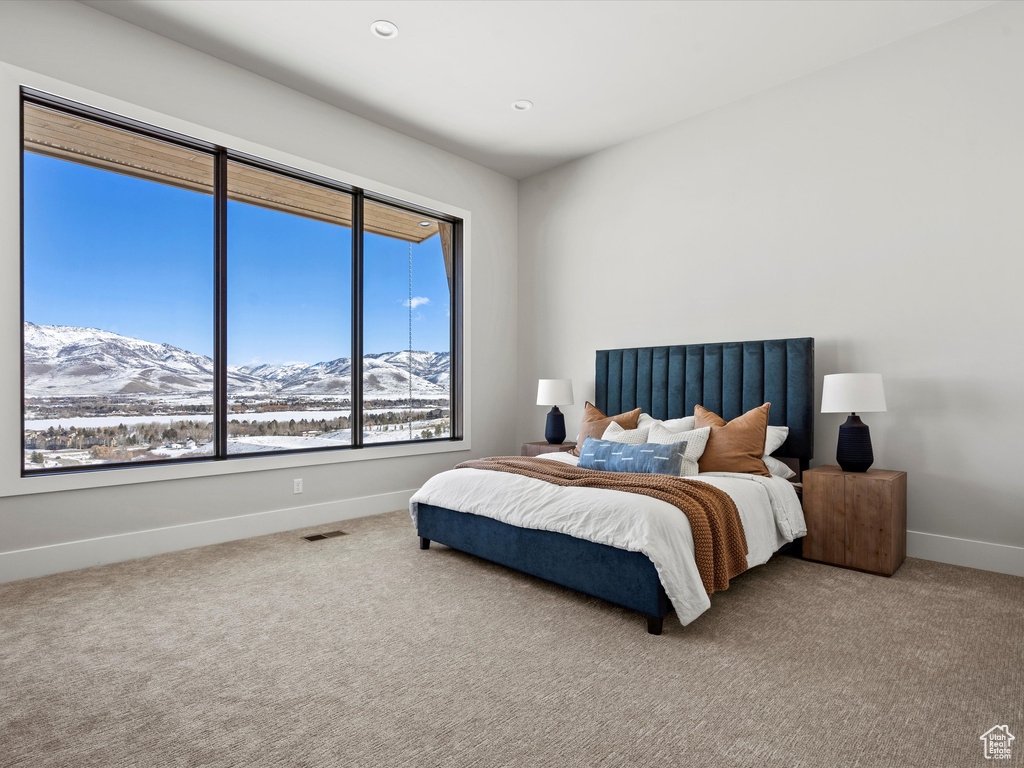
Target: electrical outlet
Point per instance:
(297, 485)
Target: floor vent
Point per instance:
(328, 535)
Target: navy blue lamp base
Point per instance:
(854, 453)
(554, 433)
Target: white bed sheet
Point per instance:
(768, 507)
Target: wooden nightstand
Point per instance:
(856, 519)
(536, 449)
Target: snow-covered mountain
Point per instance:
(268, 372)
(66, 361)
(385, 376)
(435, 367)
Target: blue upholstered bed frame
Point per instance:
(667, 382)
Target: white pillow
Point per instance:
(696, 442)
(616, 434)
(774, 438)
(778, 468)
(684, 424)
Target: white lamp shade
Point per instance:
(853, 393)
(554, 392)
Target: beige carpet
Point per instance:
(364, 651)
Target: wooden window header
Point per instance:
(67, 137)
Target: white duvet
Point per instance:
(768, 506)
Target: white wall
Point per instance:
(877, 206)
(183, 89)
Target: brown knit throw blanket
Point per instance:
(719, 542)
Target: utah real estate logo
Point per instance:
(997, 742)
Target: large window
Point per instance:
(407, 343)
(183, 302)
(289, 315)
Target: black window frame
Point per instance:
(221, 156)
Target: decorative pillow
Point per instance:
(736, 446)
(617, 434)
(695, 440)
(646, 458)
(595, 423)
(774, 439)
(684, 424)
(778, 468)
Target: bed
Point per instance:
(502, 519)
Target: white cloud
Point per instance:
(416, 301)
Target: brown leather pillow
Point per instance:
(736, 446)
(595, 423)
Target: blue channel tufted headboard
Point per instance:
(729, 379)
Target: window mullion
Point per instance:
(455, 394)
(356, 419)
(220, 314)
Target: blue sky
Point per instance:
(135, 257)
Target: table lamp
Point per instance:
(852, 393)
(554, 392)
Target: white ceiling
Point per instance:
(599, 73)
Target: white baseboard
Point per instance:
(72, 555)
(983, 555)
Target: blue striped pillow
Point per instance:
(646, 458)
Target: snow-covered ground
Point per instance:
(237, 445)
(94, 422)
(54, 459)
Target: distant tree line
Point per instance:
(129, 442)
(84, 407)
(51, 408)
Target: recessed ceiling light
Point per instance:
(384, 29)
(522, 105)
(426, 223)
